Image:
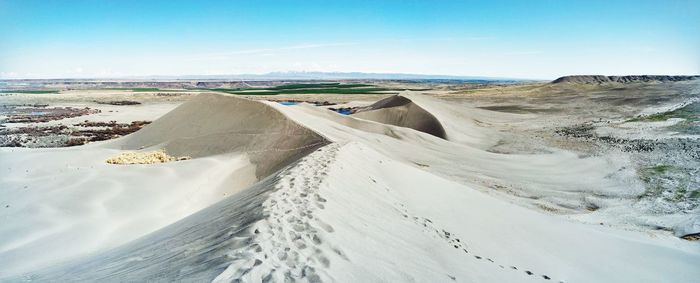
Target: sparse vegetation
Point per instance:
(659, 169)
(149, 157)
(119, 102)
(31, 114)
(29, 91)
(670, 185)
(694, 194)
(62, 135)
(689, 112)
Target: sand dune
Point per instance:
(402, 192)
(212, 124)
(402, 112)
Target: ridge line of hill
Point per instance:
(600, 79)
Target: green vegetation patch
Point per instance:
(145, 89)
(135, 89)
(653, 173)
(312, 88)
(690, 113)
(671, 185)
(318, 86)
(659, 169)
(694, 195)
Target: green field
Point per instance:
(313, 88)
(136, 89)
(310, 88)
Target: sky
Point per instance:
(511, 39)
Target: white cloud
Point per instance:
(8, 75)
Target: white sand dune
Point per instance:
(381, 203)
(64, 203)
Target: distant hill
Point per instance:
(599, 79)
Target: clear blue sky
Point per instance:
(525, 39)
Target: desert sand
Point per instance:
(407, 189)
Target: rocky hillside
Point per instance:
(598, 79)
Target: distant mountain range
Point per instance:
(329, 76)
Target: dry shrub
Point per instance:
(146, 157)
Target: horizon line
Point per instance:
(301, 75)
